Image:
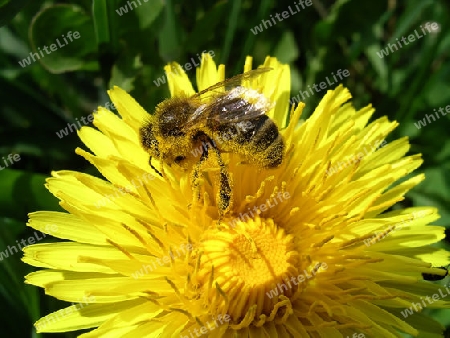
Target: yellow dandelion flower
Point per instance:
(308, 249)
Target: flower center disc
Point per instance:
(241, 265)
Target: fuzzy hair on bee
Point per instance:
(227, 117)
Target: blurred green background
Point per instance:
(129, 49)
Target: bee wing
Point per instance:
(231, 82)
(226, 106)
(197, 117)
(238, 104)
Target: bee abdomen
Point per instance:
(265, 141)
(273, 155)
(264, 133)
(257, 139)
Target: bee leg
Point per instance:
(224, 196)
(151, 166)
(196, 171)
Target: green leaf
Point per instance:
(231, 30)
(249, 43)
(435, 191)
(286, 51)
(61, 38)
(11, 44)
(9, 9)
(407, 108)
(205, 27)
(148, 12)
(22, 300)
(101, 21)
(413, 11)
(444, 154)
(169, 36)
(378, 64)
(22, 192)
(125, 71)
(324, 29)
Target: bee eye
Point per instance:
(178, 159)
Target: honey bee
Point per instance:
(232, 120)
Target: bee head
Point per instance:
(171, 149)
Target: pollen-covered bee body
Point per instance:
(257, 140)
(164, 135)
(215, 120)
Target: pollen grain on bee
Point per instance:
(220, 139)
